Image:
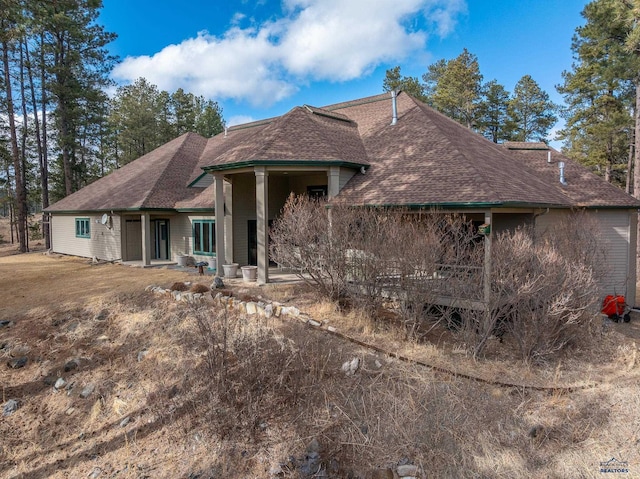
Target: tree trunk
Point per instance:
(44, 166)
(23, 146)
(44, 194)
(636, 156)
(21, 196)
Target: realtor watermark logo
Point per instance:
(614, 465)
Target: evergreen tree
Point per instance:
(209, 121)
(77, 68)
(599, 92)
(395, 81)
(531, 111)
(493, 113)
(454, 87)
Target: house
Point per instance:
(217, 196)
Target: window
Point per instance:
(318, 192)
(82, 228)
(204, 237)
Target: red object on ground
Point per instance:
(613, 305)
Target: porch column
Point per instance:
(262, 220)
(333, 177)
(219, 208)
(145, 222)
(228, 221)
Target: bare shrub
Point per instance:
(538, 296)
(300, 240)
(200, 288)
(248, 368)
(179, 286)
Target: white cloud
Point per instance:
(239, 120)
(332, 40)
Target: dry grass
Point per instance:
(147, 356)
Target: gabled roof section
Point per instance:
(157, 180)
(304, 135)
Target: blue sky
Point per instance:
(260, 59)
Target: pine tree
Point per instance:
(395, 81)
(599, 92)
(493, 113)
(454, 87)
(531, 111)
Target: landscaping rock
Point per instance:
(17, 363)
(290, 311)
(142, 354)
(5, 323)
(102, 315)
(95, 473)
(71, 365)
(125, 421)
(10, 407)
(87, 391)
(19, 351)
(251, 307)
(60, 383)
(407, 470)
(381, 474)
(350, 367)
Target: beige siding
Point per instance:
(104, 242)
(615, 228)
(345, 175)
(203, 182)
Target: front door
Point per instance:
(161, 239)
(133, 232)
(252, 241)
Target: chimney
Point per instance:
(561, 166)
(394, 104)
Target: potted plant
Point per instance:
(230, 270)
(212, 263)
(181, 259)
(249, 273)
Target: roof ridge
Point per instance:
(361, 101)
(478, 171)
(186, 141)
(278, 131)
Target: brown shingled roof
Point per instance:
(584, 188)
(429, 159)
(155, 180)
(426, 159)
(304, 134)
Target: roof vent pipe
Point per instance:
(561, 166)
(549, 156)
(394, 104)
(225, 131)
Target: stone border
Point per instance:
(267, 309)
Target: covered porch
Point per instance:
(146, 238)
(253, 197)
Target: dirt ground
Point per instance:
(153, 412)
